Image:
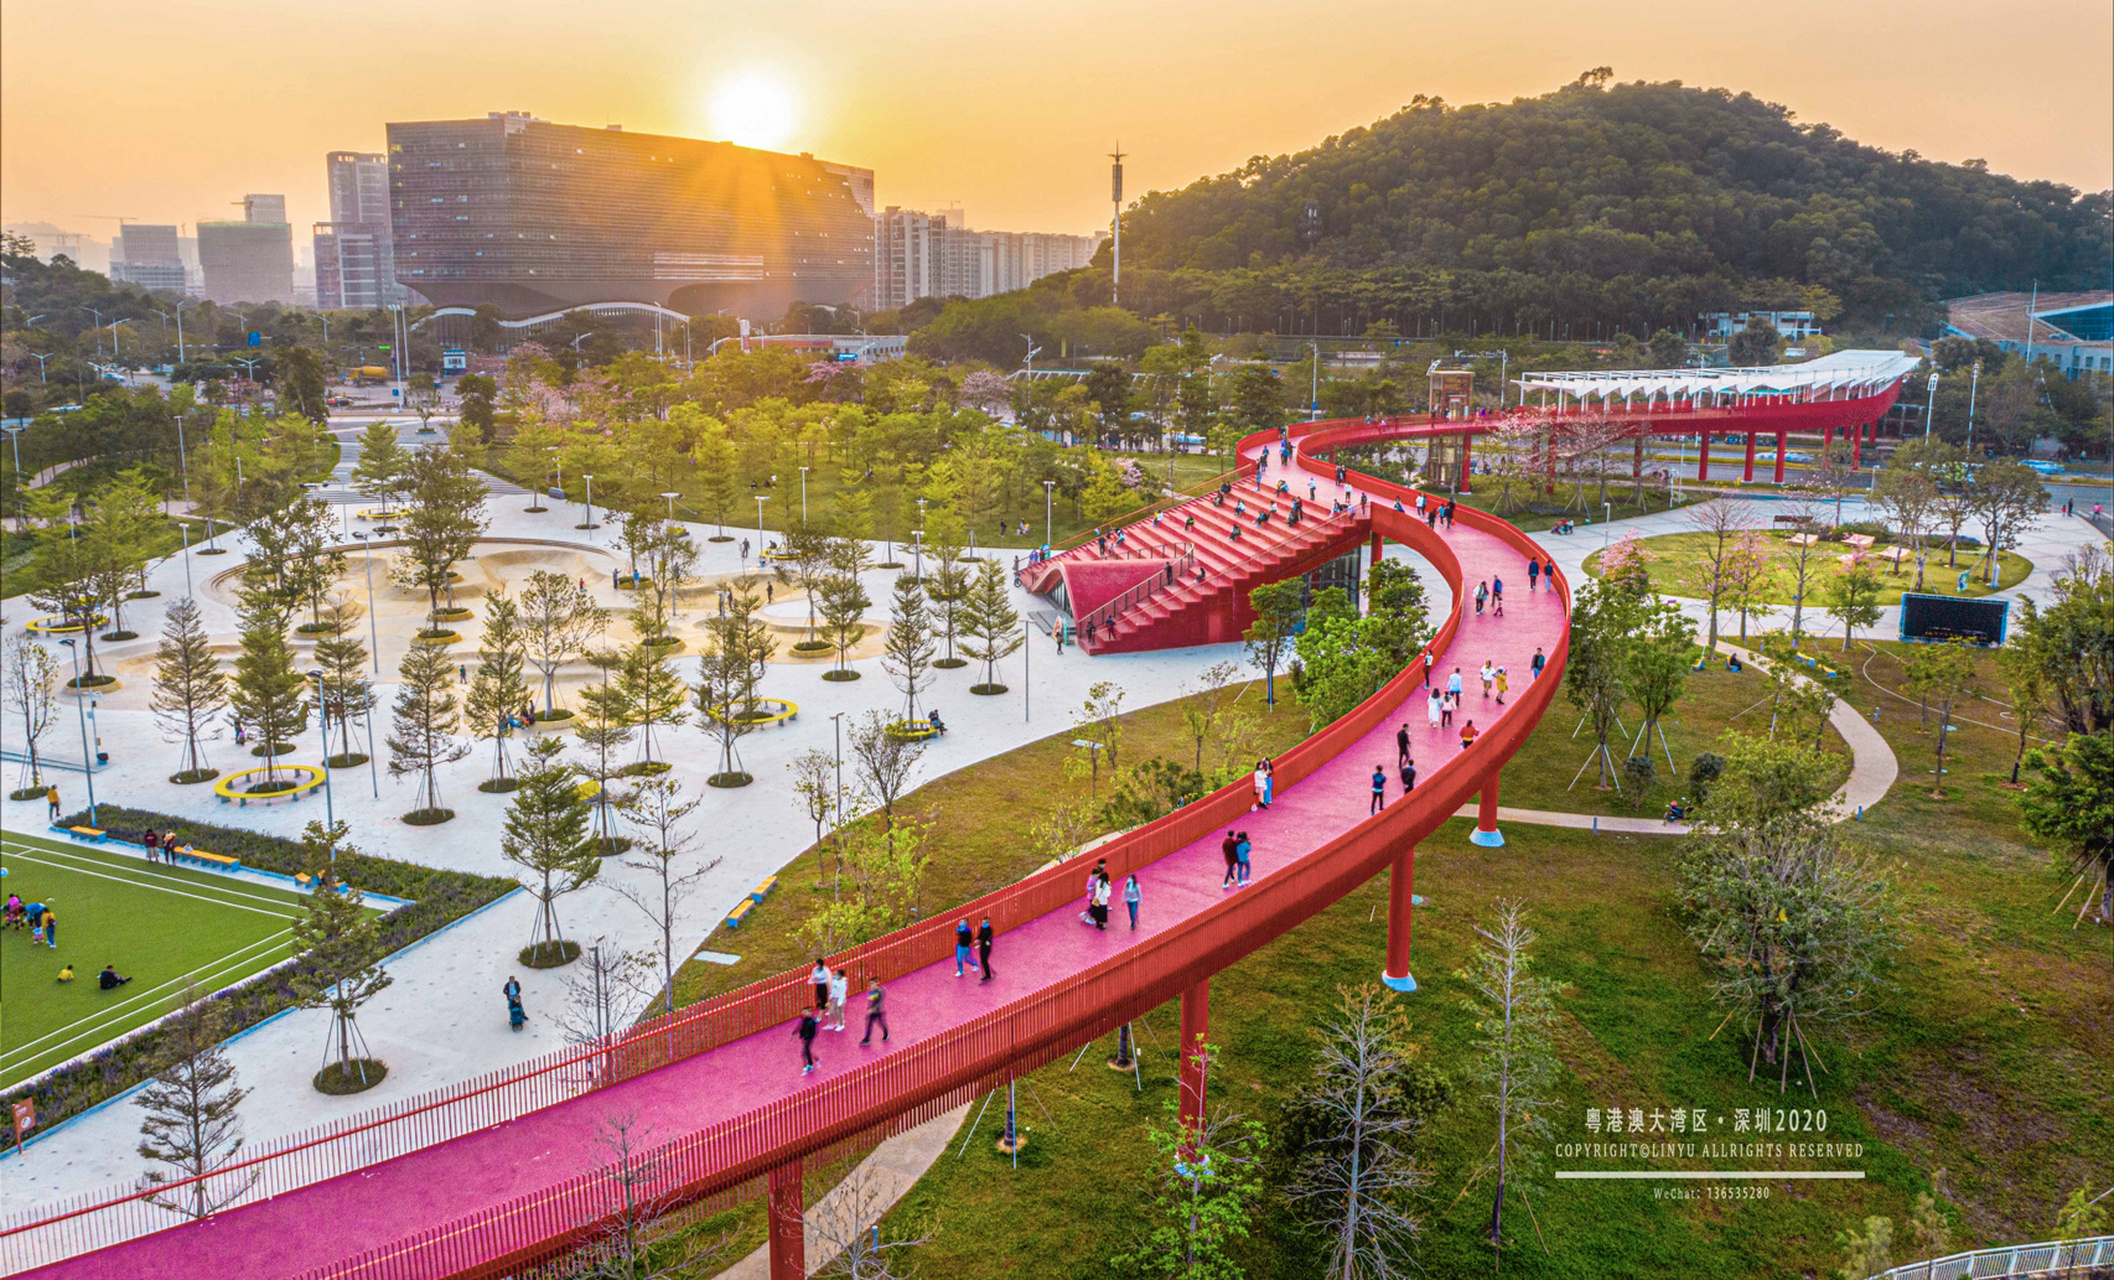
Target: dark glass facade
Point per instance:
(534, 217)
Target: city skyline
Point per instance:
(854, 90)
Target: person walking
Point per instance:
(819, 975)
(1262, 786)
(51, 797)
(1101, 896)
(1497, 596)
(1431, 706)
(1243, 854)
(515, 1014)
(1230, 847)
(1501, 683)
(1533, 572)
(1133, 896)
(1534, 667)
(985, 935)
(1548, 571)
(1409, 776)
(839, 992)
(1427, 667)
(1469, 733)
(876, 1013)
(1402, 743)
(51, 928)
(152, 839)
(1482, 597)
(1488, 674)
(963, 936)
(1379, 792)
(1447, 706)
(806, 1029)
(1093, 882)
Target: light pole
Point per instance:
(557, 469)
(671, 496)
(1974, 381)
(803, 495)
(1314, 396)
(42, 356)
(323, 713)
(837, 721)
(1049, 491)
(1607, 522)
(87, 758)
(760, 500)
(590, 525)
(1930, 405)
(185, 530)
(374, 640)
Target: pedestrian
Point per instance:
(1379, 792)
(515, 1013)
(51, 928)
(963, 936)
(109, 980)
(1402, 742)
(1269, 782)
(1548, 572)
(1132, 897)
(1450, 704)
(1469, 733)
(1431, 706)
(153, 842)
(1501, 683)
(51, 797)
(839, 991)
(36, 930)
(1093, 883)
(806, 1029)
(819, 975)
(1262, 786)
(1101, 896)
(1488, 673)
(1482, 596)
(1409, 776)
(1243, 852)
(876, 1014)
(1230, 847)
(1534, 667)
(1497, 596)
(1453, 684)
(1427, 668)
(985, 935)
(1533, 572)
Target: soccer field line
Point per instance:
(282, 910)
(98, 1022)
(146, 872)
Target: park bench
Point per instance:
(1793, 520)
(210, 861)
(740, 913)
(93, 834)
(763, 889)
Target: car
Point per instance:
(2046, 468)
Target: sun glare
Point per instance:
(754, 109)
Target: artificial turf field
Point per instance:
(165, 927)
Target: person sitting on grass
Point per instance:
(66, 973)
(109, 979)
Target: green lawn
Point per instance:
(164, 927)
(1676, 564)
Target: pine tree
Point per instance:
(347, 693)
(425, 720)
(558, 616)
(63, 584)
(191, 1122)
(546, 835)
(730, 668)
(189, 687)
(990, 625)
(906, 652)
(383, 461)
(341, 945)
(844, 602)
(498, 691)
(652, 695)
(268, 694)
(443, 518)
(1515, 1062)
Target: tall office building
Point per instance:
(149, 256)
(251, 260)
(923, 255)
(355, 257)
(532, 216)
(256, 208)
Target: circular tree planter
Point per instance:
(951, 664)
(534, 511)
(987, 690)
(610, 846)
(735, 779)
(452, 615)
(721, 537)
(664, 644)
(271, 749)
(428, 817)
(644, 769)
(210, 551)
(496, 786)
(118, 637)
(889, 564)
(27, 793)
(439, 636)
(910, 730)
(103, 683)
(813, 648)
(625, 583)
(358, 1076)
(274, 787)
(846, 674)
(349, 760)
(189, 777)
(549, 955)
(142, 595)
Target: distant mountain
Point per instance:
(1629, 202)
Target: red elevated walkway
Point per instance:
(489, 1178)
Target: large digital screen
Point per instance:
(1925, 617)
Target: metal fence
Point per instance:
(2056, 1258)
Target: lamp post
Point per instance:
(1974, 381)
(1049, 491)
(557, 469)
(323, 715)
(185, 530)
(837, 721)
(590, 525)
(803, 495)
(42, 356)
(374, 640)
(1314, 398)
(671, 496)
(87, 758)
(1930, 405)
(761, 498)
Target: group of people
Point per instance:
(1238, 850)
(1101, 890)
(37, 917)
(161, 846)
(1265, 781)
(833, 991)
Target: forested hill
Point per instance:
(1647, 183)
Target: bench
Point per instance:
(1794, 520)
(740, 913)
(92, 834)
(763, 889)
(211, 861)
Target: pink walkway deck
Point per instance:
(330, 1221)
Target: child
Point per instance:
(839, 990)
(1501, 684)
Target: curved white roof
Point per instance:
(1852, 373)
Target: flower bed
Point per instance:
(438, 898)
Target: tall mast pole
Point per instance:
(1115, 184)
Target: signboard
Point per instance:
(256, 339)
(25, 1120)
(1929, 617)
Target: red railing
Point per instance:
(959, 1062)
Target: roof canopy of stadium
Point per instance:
(1843, 375)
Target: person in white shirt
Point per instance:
(1488, 673)
(839, 989)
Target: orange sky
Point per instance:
(167, 110)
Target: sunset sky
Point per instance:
(166, 111)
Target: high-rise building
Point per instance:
(149, 256)
(256, 208)
(921, 255)
(247, 261)
(355, 257)
(532, 217)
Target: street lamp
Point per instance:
(1974, 381)
(671, 496)
(1049, 491)
(803, 495)
(374, 640)
(557, 469)
(87, 758)
(323, 713)
(760, 500)
(590, 525)
(42, 356)
(1930, 405)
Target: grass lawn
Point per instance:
(1677, 561)
(164, 927)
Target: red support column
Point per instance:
(1827, 436)
(1856, 445)
(1703, 455)
(1749, 476)
(1196, 1026)
(1465, 455)
(1486, 832)
(1781, 437)
(1637, 461)
(1401, 900)
(788, 1244)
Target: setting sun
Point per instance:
(754, 109)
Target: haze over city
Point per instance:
(166, 113)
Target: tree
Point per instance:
(732, 665)
(885, 762)
(1868, 1250)
(845, 1227)
(2029, 695)
(1098, 721)
(1908, 496)
(1595, 673)
(656, 808)
(1669, 350)
(2071, 806)
(475, 426)
(1201, 710)
(422, 736)
(1746, 570)
(1802, 557)
(1278, 606)
(300, 379)
(344, 692)
(1720, 523)
(949, 589)
(422, 397)
(558, 617)
(604, 729)
(342, 945)
(881, 883)
(384, 463)
(670, 559)
(189, 689)
(192, 1123)
(64, 582)
(1853, 598)
(1755, 345)
(1662, 644)
(32, 680)
(498, 691)
(813, 774)
(2004, 496)
(653, 695)
(805, 561)
(991, 629)
(1207, 1182)
(2071, 642)
(1942, 674)
(906, 652)
(443, 518)
(268, 691)
(1356, 1177)
(1515, 1053)
(845, 602)
(546, 835)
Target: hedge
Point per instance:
(438, 899)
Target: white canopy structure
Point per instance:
(1843, 375)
